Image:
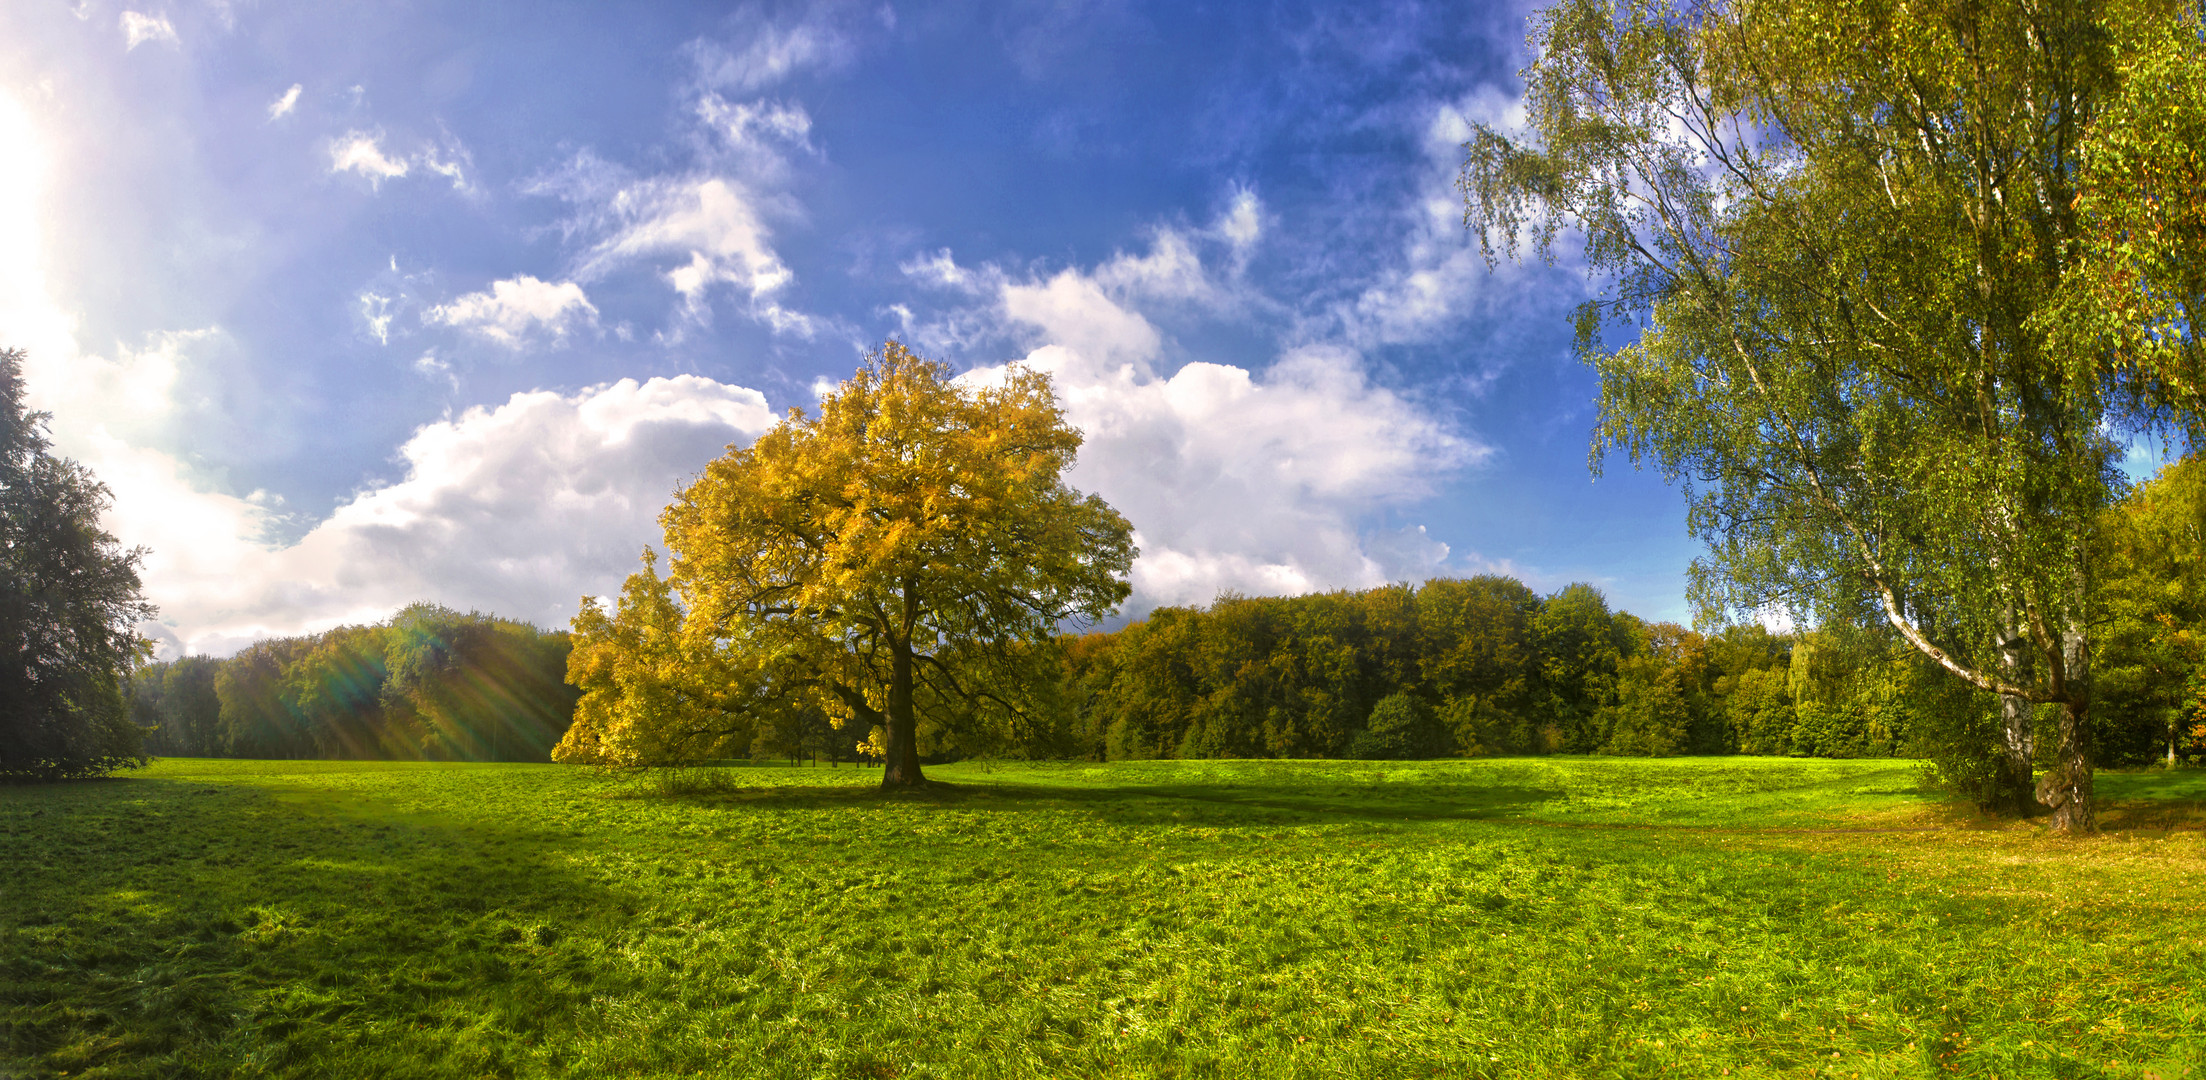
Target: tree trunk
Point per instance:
(2067, 786)
(2010, 792)
(902, 772)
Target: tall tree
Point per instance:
(70, 606)
(1839, 232)
(912, 550)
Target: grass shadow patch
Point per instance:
(164, 927)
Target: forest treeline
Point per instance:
(1487, 666)
(431, 683)
(1453, 667)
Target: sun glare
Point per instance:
(27, 320)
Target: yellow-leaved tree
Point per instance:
(911, 550)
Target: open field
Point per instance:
(1549, 917)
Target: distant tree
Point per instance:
(1759, 708)
(70, 604)
(1581, 645)
(1476, 653)
(1401, 727)
(1650, 717)
(260, 716)
(2152, 664)
(175, 703)
(908, 553)
(475, 687)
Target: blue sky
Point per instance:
(355, 304)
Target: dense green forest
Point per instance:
(1486, 666)
(1475, 667)
(431, 683)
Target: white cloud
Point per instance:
(513, 311)
(769, 55)
(1261, 482)
(517, 509)
(1172, 271)
(1439, 276)
(754, 128)
(452, 162)
(282, 106)
(1072, 310)
(140, 28)
(375, 310)
(1243, 222)
(713, 225)
(1255, 483)
(362, 153)
(1233, 480)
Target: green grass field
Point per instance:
(1520, 918)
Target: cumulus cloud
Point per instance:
(282, 106)
(139, 28)
(1098, 312)
(1234, 479)
(518, 509)
(1071, 309)
(1255, 483)
(513, 312)
(1261, 480)
(361, 152)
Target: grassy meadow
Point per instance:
(1747, 917)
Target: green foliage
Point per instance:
(1650, 717)
(1402, 728)
(2152, 663)
(1553, 918)
(176, 704)
(1893, 275)
(431, 683)
(69, 608)
(1490, 667)
(2140, 290)
(1760, 711)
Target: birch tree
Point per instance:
(1834, 238)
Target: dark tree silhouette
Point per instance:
(69, 608)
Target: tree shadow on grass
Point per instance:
(1217, 804)
(165, 927)
(2158, 801)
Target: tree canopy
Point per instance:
(69, 607)
(1841, 237)
(911, 550)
